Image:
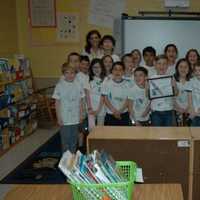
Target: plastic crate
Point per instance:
(110, 191)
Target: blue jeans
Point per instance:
(69, 137)
(195, 121)
(162, 118)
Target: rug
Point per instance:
(41, 167)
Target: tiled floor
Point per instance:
(20, 152)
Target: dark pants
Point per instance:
(195, 121)
(69, 137)
(110, 120)
(162, 118)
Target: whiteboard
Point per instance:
(137, 33)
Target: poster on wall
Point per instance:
(104, 12)
(42, 13)
(177, 3)
(67, 27)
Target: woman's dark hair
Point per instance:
(88, 44)
(102, 60)
(91, 73)
(108, 37)
(118, 63)
(177, 75)
(138, 51)
(171, 45)
(192, 50)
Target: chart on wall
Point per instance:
(42, 13)
(67, 27)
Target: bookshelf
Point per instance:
(18, 104)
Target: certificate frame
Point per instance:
(160, 87)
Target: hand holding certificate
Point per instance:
(161, 87)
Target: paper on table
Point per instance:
(139, 176)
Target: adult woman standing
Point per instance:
(92, 48)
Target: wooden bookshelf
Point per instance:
(2, 152)
(14, 81)
(2, 84)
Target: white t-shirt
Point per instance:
(69, 94)
(117, 93)
(130, 80)
(182, 98)
(92, 55)
(171, 69)
(151, 70)
(140, 102)
(95, 94)
(115, 58)
(161, 104)
(83, 79)
(195, 87)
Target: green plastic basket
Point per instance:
(111, 191)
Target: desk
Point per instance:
(62, 192)
(195, 132)
(163, 153)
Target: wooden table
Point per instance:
(162, 152)
(62, 192)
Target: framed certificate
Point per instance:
(160, 87)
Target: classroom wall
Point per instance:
(8, 28)
(47, 59)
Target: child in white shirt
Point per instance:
(137, 57)
(139, 103)
(195, 96)
(107, 63)
(171, 52)
(97, 74)
(115, 93)
(68, 95)
(129, 69)
(149, 55)
(108, 45)
(182, 76)
(162, 108)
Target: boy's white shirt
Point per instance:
(140, 102)
(130, 80)
(95, 94)
(195, 88)
(162, 104)
(70, 95)
(83, 79)
(182, 98)
(117, 93)
(151, 70)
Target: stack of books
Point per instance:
(95, 168)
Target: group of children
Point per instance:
(115, 91)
